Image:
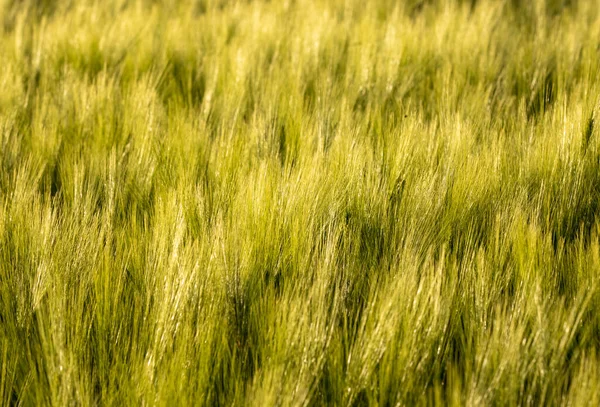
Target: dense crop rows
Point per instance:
(299, 202)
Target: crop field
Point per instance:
(299, 202)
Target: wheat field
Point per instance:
(299, 202)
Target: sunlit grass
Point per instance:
(310, 202)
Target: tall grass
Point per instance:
(299, 202)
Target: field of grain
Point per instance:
(299, 202)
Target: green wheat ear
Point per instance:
(588, 132)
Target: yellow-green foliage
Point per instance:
(299, 202)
